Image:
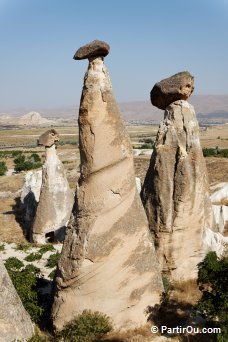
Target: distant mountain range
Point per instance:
(209, 109)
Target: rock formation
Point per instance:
(175, 191)
(56, 198)
(177, 87)
(30, 194)
(108, 260)
(219, 199)
(15, 323)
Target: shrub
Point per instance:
(13, 263)
(23, 247)
(209, 152)
(86, 327)
(25, 282)
(2, 247)
(3, 168)
(24, 165)
(213, 280)
(215, 152)
(16, 153)
(53, 260)
(46, 248)
(33, 257)
(34, 157)
(19, 160)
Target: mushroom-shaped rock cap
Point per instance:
(48, 138)
(97, 48)
(177, 87)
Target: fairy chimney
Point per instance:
(175, 191)
(108, 260)
(56, 197)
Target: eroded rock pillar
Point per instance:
(108, 261)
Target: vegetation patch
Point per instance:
(148, 143)
(215, 152)
(46, 248)
(3, 168)
(33, 257)
(86, 327)
(32, 162)
(25, 281)
(13, 264)
(2, 247)
(53, 260)
(212, 281)
(67, 142)
(25, 247)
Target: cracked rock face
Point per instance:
(177, 87)
(56, 197)
(175, 192)
(108, 261)
(15, 322)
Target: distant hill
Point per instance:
(209, 109)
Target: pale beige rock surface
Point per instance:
(175, 192)
(30, 194)
(15, 322)
(108, 261)
(56, 197)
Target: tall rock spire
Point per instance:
(175, 191)
(56, 198)
(108, 261)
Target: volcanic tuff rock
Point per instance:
(177, 87)
(30, 194)
(108, 260)
(56, 198)
(175, 192)
(15, 322)
(96, 48)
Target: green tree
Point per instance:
(213, 280)
(34, 157)
(21, 164)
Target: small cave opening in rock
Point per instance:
(50, 237)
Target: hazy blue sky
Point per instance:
(149, 39)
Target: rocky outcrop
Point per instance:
(175, 192)
(15, 323)
(30, 194)
(177, 87)
(108, 261)
(56, 198)
(33, 119)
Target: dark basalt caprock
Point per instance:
(96, 48)
(177, 87)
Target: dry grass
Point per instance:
(186, 292)
(10, 229)
(217, 169)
